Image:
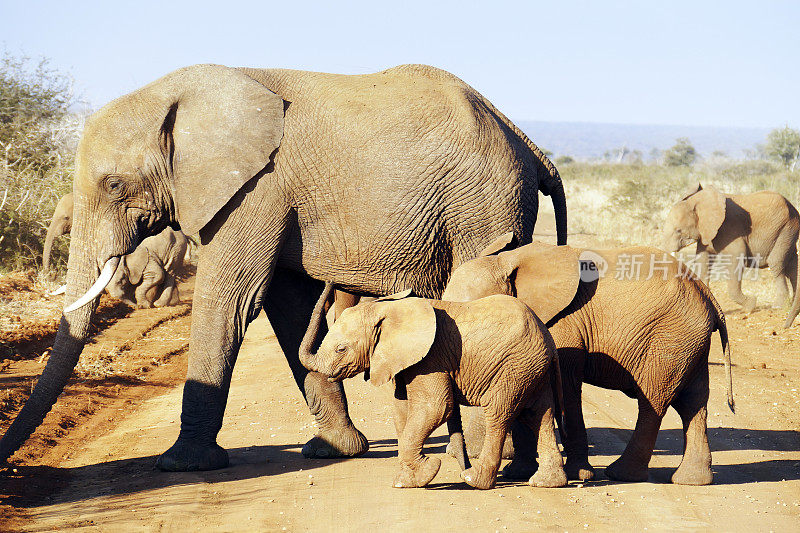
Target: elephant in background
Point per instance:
(645, 333)
(377, 182)
(146, 277)
(493, 353)
(755, 230)
(60, 224)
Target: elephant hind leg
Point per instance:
(695, 467)
(289, 302)
(169, 293)
(541, 419)
(632, 465)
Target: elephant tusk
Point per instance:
(95, 290)
(61, 290)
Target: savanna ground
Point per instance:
(91, 465)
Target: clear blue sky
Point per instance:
(708, 63)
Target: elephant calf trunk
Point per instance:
(308, 358)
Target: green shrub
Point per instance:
(682, 154)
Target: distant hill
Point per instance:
(586, 140)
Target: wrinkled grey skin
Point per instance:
(377, 182)
(60, 224)
(755, 230)
(493, 353)
(146, 277)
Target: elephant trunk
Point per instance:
(308, 358)
(54, 230)
(72, 334)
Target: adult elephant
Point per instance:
(377, 182)
(60, 224)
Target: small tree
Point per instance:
(564, 160)
(783, 144)
(682, 154)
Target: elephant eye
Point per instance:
(341, 348)
(114, 185)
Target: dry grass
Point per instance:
(626, 204)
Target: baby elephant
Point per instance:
(629, 319)
(146, 277)
(493, 353)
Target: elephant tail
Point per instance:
(556, 383)
(795, 310)
(722, 327)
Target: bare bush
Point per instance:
(38, 138)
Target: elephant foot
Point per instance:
(579, 469)
(419, 475)
(519, 469)
(621, 470)
(457, 449)
(694, 473)
(549, 477)
(348, 442)
(190, 456)
(749, 304)
(479, 477)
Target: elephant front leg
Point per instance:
(232, 278)
(483, 473)
(540, 418)
(576, 445)
(430, 403)
(289, 303)
(456, 446)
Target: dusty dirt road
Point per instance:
(108, 482)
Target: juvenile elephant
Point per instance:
(378, 182)
(645, 331)
(60, 224)
(493, 353)
(739, 230)
(146, 277)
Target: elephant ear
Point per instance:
(396, 296)
(406, 330)
(507, 241)
(221, 129)
(544, 276)
(710, 209)
(694, 189)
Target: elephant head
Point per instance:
(696, 218)
(543, 276)
(381, 338)
(172, 153)
(60, 224)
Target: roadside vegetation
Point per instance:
(38, 137)
(626, 202)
